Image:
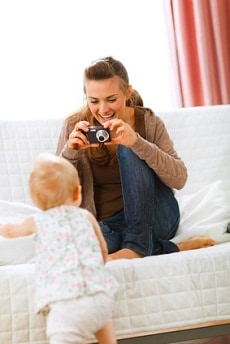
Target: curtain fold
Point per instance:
(199, 32)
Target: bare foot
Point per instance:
(195, 243)
(124, 253)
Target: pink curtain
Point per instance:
(199, 37)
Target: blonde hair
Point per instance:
(53, 180)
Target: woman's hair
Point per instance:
(53, 180)
(135, 99)
(108, 67)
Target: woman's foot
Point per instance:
(124, 253)
(195, 243)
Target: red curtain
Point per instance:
(199, 37)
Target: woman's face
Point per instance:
(106, 99)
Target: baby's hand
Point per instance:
(4, 229)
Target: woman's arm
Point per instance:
(159, 153)
(63, 136)
(165, 163)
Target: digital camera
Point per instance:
(98, 134)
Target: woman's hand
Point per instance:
(77, 139)
(121, 133)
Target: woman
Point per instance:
(127, 181)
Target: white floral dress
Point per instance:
(69, 262)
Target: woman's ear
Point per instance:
(129, 91)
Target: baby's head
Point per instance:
(54, 181)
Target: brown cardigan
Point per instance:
(157, 150)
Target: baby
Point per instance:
(73, 288)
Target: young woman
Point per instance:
(127, 181)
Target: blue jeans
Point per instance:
(151, 214)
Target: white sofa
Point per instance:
(167, 298)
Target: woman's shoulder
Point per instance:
(149, 115)
(74, 117)
(154, 125)
(144, 111)
(70, 121)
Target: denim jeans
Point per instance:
(151, 214)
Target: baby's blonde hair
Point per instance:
(53, 180)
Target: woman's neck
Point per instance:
(128, 116)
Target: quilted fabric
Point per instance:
(163, 292)
(202, 138)
(19, 324)
(155, 293)
(20, 142)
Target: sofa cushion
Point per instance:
(204, 213)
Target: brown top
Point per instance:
(107, 190)
(156, 149)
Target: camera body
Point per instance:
(98, 134)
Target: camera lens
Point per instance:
(102, 135)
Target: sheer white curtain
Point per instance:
(45, 45)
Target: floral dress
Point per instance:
(69, 263)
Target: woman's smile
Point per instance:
(107, 117)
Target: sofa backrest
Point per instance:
(20, 142)
(202, 139)
(201, 136)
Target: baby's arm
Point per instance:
(17, 229)
(102, 242)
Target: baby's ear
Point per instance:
(77, 193)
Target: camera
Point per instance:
(98, 134)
